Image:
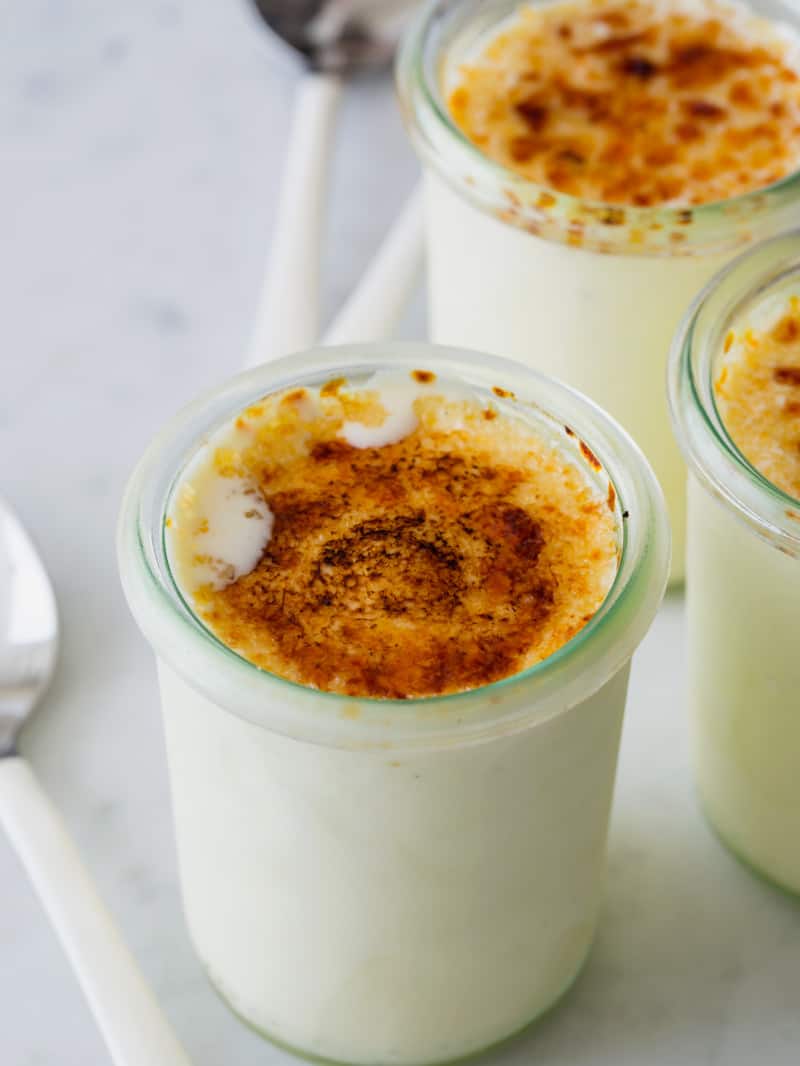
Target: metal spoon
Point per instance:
(335, 39)
(134, 1029)
(337, 36)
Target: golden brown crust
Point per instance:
(400, 582)
(634, 102)
(436, 564)
(758, 395)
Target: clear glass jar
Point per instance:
(584, 292)
(378, 881)
(743, 588)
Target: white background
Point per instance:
(140, 149)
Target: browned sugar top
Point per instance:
(459, 555)
(758, 396)
(636, 102)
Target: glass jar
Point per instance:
(584, 292)
(743, 590)
(384, 881)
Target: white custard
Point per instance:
(396, 393)
(224, 526)
(743, 609)
(390, 907)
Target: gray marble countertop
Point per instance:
(141, 148)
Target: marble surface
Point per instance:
(140, 149)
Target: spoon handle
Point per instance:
(375, 305)
(133, 1026)
(287, 317)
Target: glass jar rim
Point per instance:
(659, 229)
(565, 678)
(702, 435)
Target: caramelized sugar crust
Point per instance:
(457, 556)
(636, 102)
(758, 396)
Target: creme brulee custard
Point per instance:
(393, 593)
(591, 165)
(758, 392)
(635, 102)
(394, 539)
(744, 554)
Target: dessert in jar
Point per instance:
(589, 166)
(735, 395)
(393, 593)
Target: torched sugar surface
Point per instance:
(463, 552)
(636, 102)
(758, 393)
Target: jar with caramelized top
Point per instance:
(589, 166)
(393, 593)
(734, 382)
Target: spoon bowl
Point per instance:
(337, 36)
(132, 1024)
